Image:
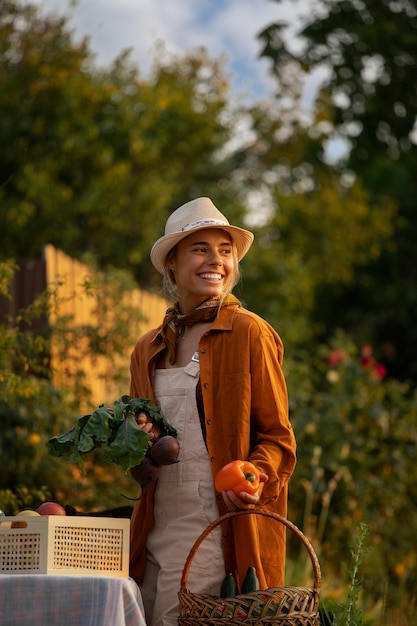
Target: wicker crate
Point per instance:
(59, 545)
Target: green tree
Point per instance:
(321, 230)
(310, 250)
(96, 159)
(367, 53)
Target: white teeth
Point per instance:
(211, 276)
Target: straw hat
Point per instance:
(190, 217)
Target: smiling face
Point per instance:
(203, 267)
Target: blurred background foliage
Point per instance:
(93, 160)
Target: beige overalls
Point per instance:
(184, 506)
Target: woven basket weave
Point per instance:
(277, 606)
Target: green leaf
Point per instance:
(96, 432)
(119, 410)
(63, 444)
(115, 428)
(129, 446)
(137, 405)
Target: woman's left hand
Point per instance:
(244, 500)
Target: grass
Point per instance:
(344, 606)
(349, 612)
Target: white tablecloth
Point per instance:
(47, 600)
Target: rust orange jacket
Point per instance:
(246, 417)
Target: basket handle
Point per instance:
(313, 557)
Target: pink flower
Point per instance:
(380, 370)
(367, 360)
(336, 357)
(366, 351)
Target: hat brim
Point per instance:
(241, 238)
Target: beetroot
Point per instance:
(165, 450)
(146, 472)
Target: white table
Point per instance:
(47, 600)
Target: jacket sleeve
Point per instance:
(142, 362)
(273, 446)
(245, 399)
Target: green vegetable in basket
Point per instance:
(228, 587)
(250, 582)
(114, 428)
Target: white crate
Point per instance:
(73, 545)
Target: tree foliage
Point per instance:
(96, 160)
(309, 252)
(322, 230)
(367, 53)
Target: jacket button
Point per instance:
(212, 459)
(208, 422)
(203, 351)
(206, 385)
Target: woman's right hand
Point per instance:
(145, 424)
(244, 500)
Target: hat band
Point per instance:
(206, 222)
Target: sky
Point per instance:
(226, 28)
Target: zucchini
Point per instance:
(228, 587)
(251, 582)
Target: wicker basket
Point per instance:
(278, 606)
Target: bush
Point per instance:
(356, 440)
(33, 409)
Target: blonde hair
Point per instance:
(168, 282)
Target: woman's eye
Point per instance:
(204, 250)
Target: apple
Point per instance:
(25, 513)
(50, 508)
(28, 512)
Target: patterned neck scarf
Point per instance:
(174, 322)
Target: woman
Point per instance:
(215, 370)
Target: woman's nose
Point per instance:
(215, 258)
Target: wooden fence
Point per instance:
(105, 375)
(74, 319)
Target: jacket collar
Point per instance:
(223, 321)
